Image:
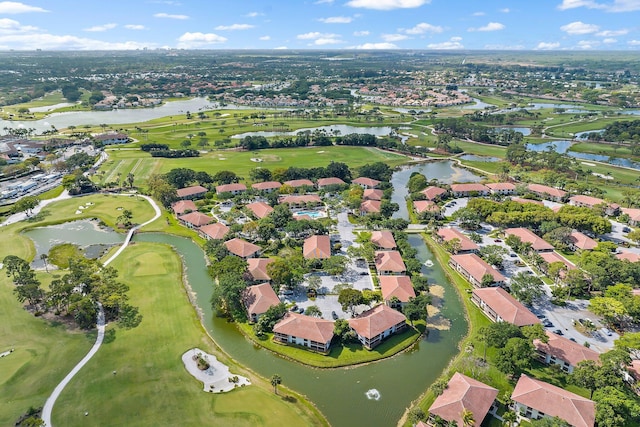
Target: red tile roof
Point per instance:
(545, 189)
(370, 206)
(215, 231)
(389, 261)
(551, 257)
(464, 394)
(582, 241)
(257, 267)
(581, 199)
(182, 206)
(477, 267)
(526, 235)
(508, 308)
(267, 185)
(555, 402)
(565, 349)
(466, 244)
(629, 256)
(432, 193)
(367, 182)
(372, 194)
(375, 321)
(634, 214)
(421, 206)
(299, 183)
(241, 248)
(298, 199)
(317, 247)
(190, 191)
(196, 219)
(383, 239)
(521, 200)
(306, 327)
(259, 298)
(468, 188)
(230, 188)
(323, 182)
(260, 209)
(396, 286)
(501, 186)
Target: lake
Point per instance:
(563, 147)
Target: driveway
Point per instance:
(454, 205)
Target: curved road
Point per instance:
(48, 406)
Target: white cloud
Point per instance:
(579, 27)
(423, 28)
(336, 20)
(135, 27)
(13, 7)
(588, 44)
(265, 38)
(323, 41)
(491, 26)
(316, 35)
(547, 46)
(9, 26)
(633, 42)
(505, 10)
(609, 41)
(453, 43)
(324, 2)
(361, 33)
(393, 37)
(387, 4)
(170, 16)
(615, 6)
(64, 42)
(371, 46)
(281, 48)
(253, 14)
(612, 33)
(100, 28)
(503, 47)
(197, 39)
(478, 14)
(234, 27)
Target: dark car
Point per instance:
(558, 332)
(547, 323)
(301, 310)
(573, 339)
(334, 315)
(498, 241)
(294, 308)
(541, 316)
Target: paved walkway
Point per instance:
(48, 406)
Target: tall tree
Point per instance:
(276, 380)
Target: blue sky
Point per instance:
(320, 24)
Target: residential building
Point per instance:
(546, 192)
(326, 182)
(473, 268)
(111, 138)
(563, 352)
(301, 201)
(267, 186)
(298, 183)
(536, 399)
(306, 331)
(215, 231)
(463, 394)
(365, 182)
(538, 244)
(629, 256)
(580, 200)
(317, 247)
(467, 246)
(258, 298)
(500, 306)
(372, 194)
(374, 325)
(399, 287)
(383, 240)
(242, 248)
(521, 200)
(389, 263)
(424, 206)
(191, 193)
(234, 189)
(551, 257)
(580, 241)
(257, 269)
(470, 189)
(370, 206)
(433, 193)
(634, 216)
(183, 206)
(502, 188)
(195, 219)
(259, 209)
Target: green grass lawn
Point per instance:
(482, 149)
(59, 255)
(51, 194)
(151, 386)
(339, 355)
(123, 161)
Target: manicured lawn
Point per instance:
(51, 194)
(60, 254)
(122, 161)
(482, 149)
(339, 355)
(151, 386)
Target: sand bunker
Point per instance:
(587, 164)
(217, 378)
(254, 159)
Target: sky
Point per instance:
(320, 24)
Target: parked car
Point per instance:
(606, 331)
(513, 255)
(541, 317)
(294, 308)
(547, 323)
(334, 315)
(558, 332)
(626, 229)
(572, 339)
(301, 310)
(498, 241)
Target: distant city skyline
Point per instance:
(321, 24)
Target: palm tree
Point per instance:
(509, 418)
(275, 382)
(44, 258)
(468, 419)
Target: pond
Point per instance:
(558, 146)
(524, 131)
(476, 158)
(477, 105)
(86, 234)
(563, 147)
(331, 130)
(585, 134)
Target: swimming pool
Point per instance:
(312, 214)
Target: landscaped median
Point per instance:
(340, 355)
